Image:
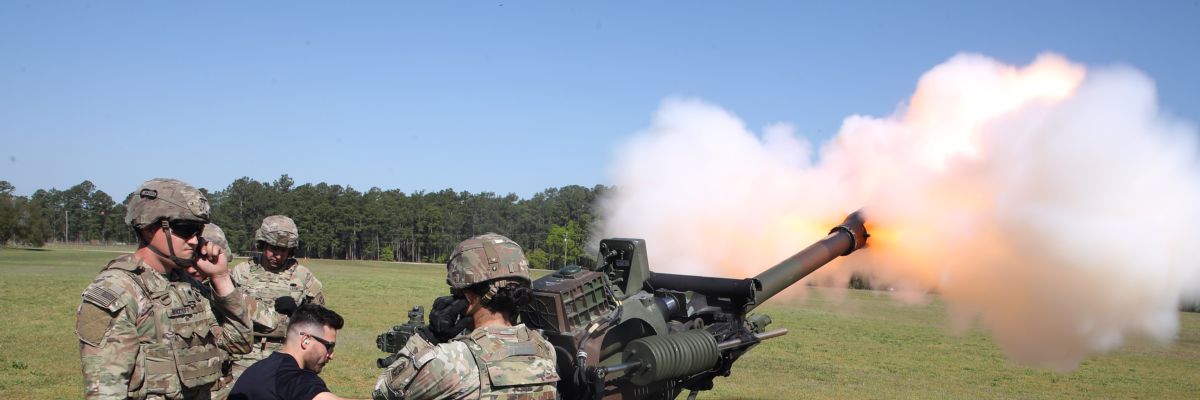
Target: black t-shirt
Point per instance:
(277, 377)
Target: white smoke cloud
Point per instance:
(1051, 204)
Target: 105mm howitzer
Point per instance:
(621, 331)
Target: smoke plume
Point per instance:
(1051, 204)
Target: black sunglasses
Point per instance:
(186, 229)
(328, 345)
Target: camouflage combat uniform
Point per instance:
(150, 335)
(144, 334)
(490, 363)
(265, 285)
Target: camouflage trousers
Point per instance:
(224, 385)
(199, 393)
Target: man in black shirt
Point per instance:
(292, 373)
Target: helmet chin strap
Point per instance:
(181, 262)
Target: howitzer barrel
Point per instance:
(844, 239)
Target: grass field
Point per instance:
(109, 248)
(863, 345)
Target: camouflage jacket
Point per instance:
(143, 334)
(489, 363)
(293, 280)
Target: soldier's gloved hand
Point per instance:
(440, 305)
(446, 318)
(285, 305)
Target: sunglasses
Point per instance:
(328, 345)
(186, 229)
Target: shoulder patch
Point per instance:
(92, 323)
(424, 357)
(399, 366)
(398, 376)
(103, 297)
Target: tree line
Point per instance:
(339, 222)
(335, 221)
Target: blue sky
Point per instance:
(500, 96)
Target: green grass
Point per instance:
(107, 248)
(858, 345)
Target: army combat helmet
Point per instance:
(487, 257)
(215, 235)
(279, 231)
(166, 202)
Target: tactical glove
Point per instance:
(285, 305)
(446, 318)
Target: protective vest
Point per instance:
(514, 363)
(177, 347)
(294, 280)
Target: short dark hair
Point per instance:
(315, 315)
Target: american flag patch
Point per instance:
(101, 296)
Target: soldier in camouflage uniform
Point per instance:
(495, 360)
(274, 277)
(148, 330)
